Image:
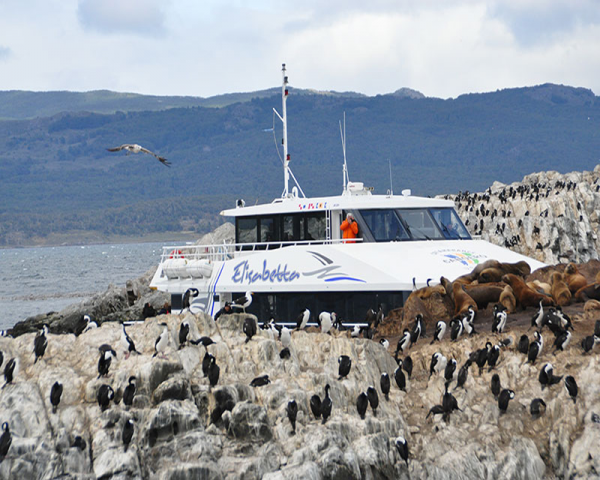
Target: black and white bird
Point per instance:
(535, 348)
(292, 413)
(250, 328)
(537, 407)
(344, 365)
(184, 332)
(302, 319)
(449, 403)
(213, 373)
(10, 371)
(355, 333)
(127, 343)
(206, 363)
(104, 395)
(404, 341)
(326, 320)
(440, 331)
(437, 364)
(105, 360)
(538, 317)
(496, 385)
(463, 374)
(129, 393)
(379, 317)
(5, 441)
(188, 298)
(588, 343)
(55, 394)
(127, 434)
(571, 386)
(456, 329)
(523, 345)
(362, 403)
(400, 378)
(450, 370)
(260, 381)
(384, 383)
(468, 327)
(162, 341)
(204, 341)
(373, 398)
(500, 317)
(407, 365)
(562, 341)
(40, 343)
(418, 330)
(243, 302)
(505, 396)
(384, 343)
(285, 336)
(402, 448)
(315, 406)
(493, 356)
(86, 324)
(326, 405)
(135, 148)
(481, 356)
(547, 377)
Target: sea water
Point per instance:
(45, 279)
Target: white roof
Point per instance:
(341, 202)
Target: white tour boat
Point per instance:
(291, 255)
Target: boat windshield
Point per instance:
(393, 225)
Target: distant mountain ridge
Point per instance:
(58, 178)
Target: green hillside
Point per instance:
(58, 177)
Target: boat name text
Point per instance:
(242, 273)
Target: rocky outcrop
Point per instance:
(185, 430)
(548, 216)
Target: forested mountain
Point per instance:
(57, 176)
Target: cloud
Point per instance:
(139, 17)
(5, 52)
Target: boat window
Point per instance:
(384, 225)
(267, 230)
(287, 234)
(247, 230)
(420, 224)
(450, 223)
(315, 227)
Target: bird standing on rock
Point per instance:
(535, 348)
(362, 403)
(302, 319)
(184, 331)
(213, 373)
(496, 386)
(127, 433)
(40, 343)
(55, 394)
(250, 328)
(537, 407)
(292, 413)
(402, 448)
(326, 405)
(345, 363)
(10, 371)
(127, 343)
(5, 441)
(373, 398)
(440, 331)
(129, 392)
(243, 302)
(505, 396)
(260, 381)
(162, 342)
(104, 395)
(571, 386)
(106, 356)
(384, 383)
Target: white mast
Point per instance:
(345, 179)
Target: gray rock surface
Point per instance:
(555, 221)
(176, 438)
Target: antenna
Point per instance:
(286, 156)
(391, 186)
(345, 179)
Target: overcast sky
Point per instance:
(443, 48)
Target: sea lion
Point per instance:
(427, 292)
(542, 287)
(462, 300)
(526, 297)
(447, 284)
(491, 275)
(560, 290)
(589, 292)
(507, 298)
(597, 279)
(484, 294)
(573, 278)
(471, 277)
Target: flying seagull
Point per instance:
(135, 148)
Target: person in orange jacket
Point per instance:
(349, 227)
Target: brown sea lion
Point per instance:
(526, 297)
(573, 278)
(427, 292)
(447, 284)
(507, 298)
(589, 292)
(521, 268)
(560, 290)
(491, 275)
(484, 294)
(462, 300)
(597, 279)
(542, 287)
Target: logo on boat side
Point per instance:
(312, 206)
(468, 259)
(242, 273)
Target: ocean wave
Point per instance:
(48, 296)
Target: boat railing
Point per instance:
(227, 251)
